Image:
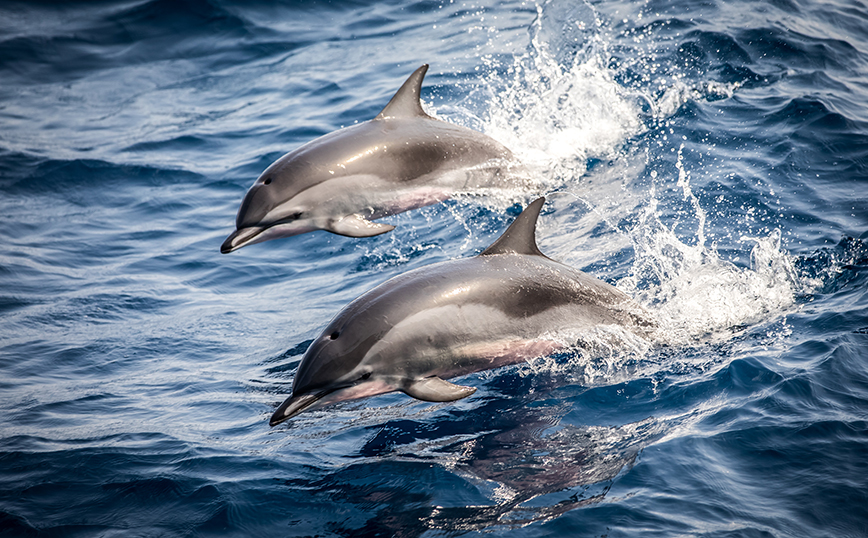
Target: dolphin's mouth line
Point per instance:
(294, 405)
(249, 234)
(246, 235)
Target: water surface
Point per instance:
(708, 159)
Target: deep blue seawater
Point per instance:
(713, 160)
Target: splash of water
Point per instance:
(694, 291)
(560, 106)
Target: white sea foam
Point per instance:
(694, 291)
(559, 106)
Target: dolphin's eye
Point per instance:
(334, 335)
(267, 181)
(366, 375)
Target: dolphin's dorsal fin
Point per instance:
(519, 237)
(405, 103)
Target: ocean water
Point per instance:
(708, 158)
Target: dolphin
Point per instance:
(342, 182)
(445, 320)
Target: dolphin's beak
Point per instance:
(329, 395)
(293, 406)
(239, 238)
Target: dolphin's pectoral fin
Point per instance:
(358, 226)
(434, 389)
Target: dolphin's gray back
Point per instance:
(398, 150)
(510, 293)
(519, 286)
(342, 182)
(510, 303)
